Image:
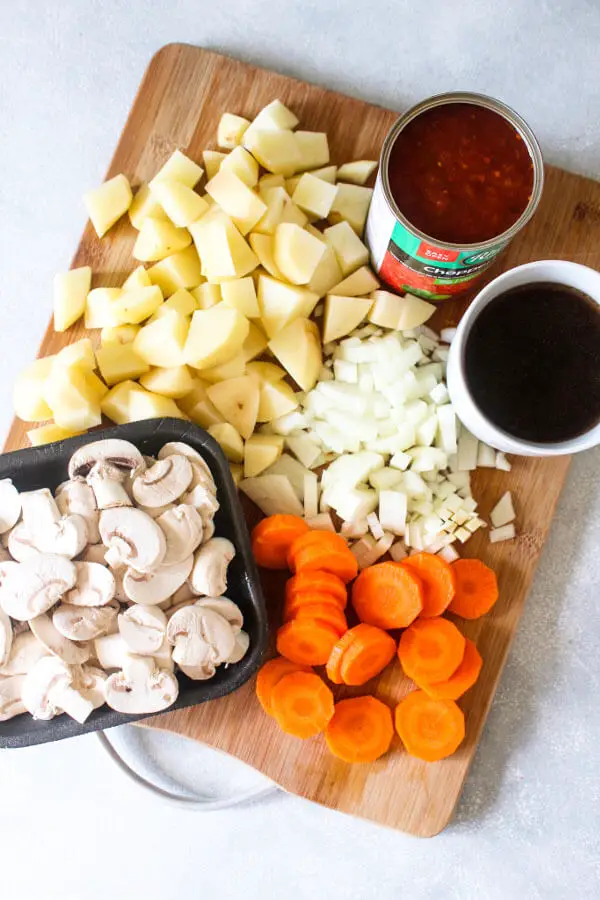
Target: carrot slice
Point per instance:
(325, 551)
(437, 580)
(429, 729)
(268, 676)
(324, 582)
(387, 595)
(302, 704)
(476, 588)
(361, 730)
(459, 683)
(272, 538)
(334, 663)
(369, 652)
(431, 650)
(306, 642)
(325, 612)
(306, 598)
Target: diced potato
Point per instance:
(146, 405)
(400, 313)
(358, 284)
(280, 303)
(115, 404)
(244, 207)
(233, 368)
(254, 344)
(237, 400)
(70, 292)
(298, 349)
(157, 239)
(327, 273)
(275, 400)
(343, 315)
(229, 440)
(326, 173)
(297, 253)
(47, 434)
(182, 302)
(268, 181)
(143, 206)
(273, 117)
(261, 451)
(179, 167)
(277, 151)
(241, 294)
(120, 334)
(357, 172)
(231, 130)
(292, 183)
(207, 295)
(351, 205)
(139, 278)
(119, 362)
(225, 253)
(277, 202)
(347, 246)
(242, 164)
(132, 307)
(215, 336)
(81, 353)
(161, 343)
(28, 392)
(68, 395)
(180, 270)
(202, 412)
(264, 247)
(212, 162)
(314, 195)
(181, 203)
(100, 307)
(237, 472)
(314, 149)
(265, 371)
(175, 382)
(273, 494)
(106, 204)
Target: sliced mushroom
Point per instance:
(11, 704)
(77, 497)
(151, 588)
(181, 604)
(143, 628)
(84, 623)
(56, 643)
(209, 575)
(10, 505)
(6, 637)
(94, 553)
(95, 586)
(141, 688)
(122, 455)
(202, 499)
(226, 608)
(242, 642)
(51, 532)
(133, 538)
(164, 482)
(7, 566)
(90, 684)
(21, 545)
(42, 685)
(209, 530)
(201, 638)
(200, 468)
(26, 651)
(182, 527)
(155, 512)
(111, 651)
(164, 657)
(34, 586)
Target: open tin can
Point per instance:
(410, 260)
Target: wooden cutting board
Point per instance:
(179, 103)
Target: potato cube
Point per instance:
(277, 202)
(280, 303)
(264, 247)
(157, 239)
(347, 246)
(119, 362)
(231, 130)
(139, 278)
(254, 344)
(144, 404)
(95, 387)
(181, 203)
(357, 172)
(242, 164)
(120, 334)
(182, 302)
(207, 295)
(400, 313)
(273, 117)
(215, 336)
(237, 472)
(132, 307)
(243, 206)
(213, 161)
(260, 452)
(161, 343)
(298, 349)
(343, 315)
(292, 183)
(175, 382)
(107, 203)
(48, 434)
(351, 205)
(358, 284)
(229, 440)
(28, 392)
(237, 401)
(199, 408)
(314, 195)
(314, 149)
(233, 368)
(265, 371)
(327, 273)
(179, 167)
(326, 173)
(225, 253)
(68, 395)
(80, 353)
(144, 206)
(277, 151)
(180, 270)
(275, 400)
(100, 307)
(241, 294)
(297, 253)
(268, 181)
(70, 292)
(115, 405)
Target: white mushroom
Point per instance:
(95, 586)
(141, 688)
(11, 704)
(106, 481)
(42, 685)
(242, 642)
(111, 651)
(6, 637)
(10, 505)
(133, 538)
(200, 468)
(21, 545)
(182, 527)
(77, 497)
(164, 657)
(105, 465)
(164, 482)
(203, 501)
(143, 628)
(209, 575)
(7, 566)
(34, 586)
(226, 608)
(151, 588)
(56, 643)
(25, 653)
(202, 639)
(51, 532)
(90, 684)
(84, 623)
(188, 601)
(155, 511)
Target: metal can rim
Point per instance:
(497, 106)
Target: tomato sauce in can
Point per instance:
(459, 176)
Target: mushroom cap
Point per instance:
(84, 623)
(121, 454)
(42, 685)
(200, 635)
(111, 651)
(21, 545)
(143, 628)
(10, 505)
(200, 468)
(182, 528)
(151, 588)
(226, 608)
(242, 642)
(96, 585)
(11, 704)
(133, 538)
(25, 652)
(142, 688)
(6, 637)
(164, 482)
(77, 497)
(34, 586)
(56, 643)
(209, 575)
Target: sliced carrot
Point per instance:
(325, 551)
(387, 595)
(459, 683)
(361, 730)
(431, 650)
(476, 588)
(334, 663)
(270, 673)
(306, 598)
(369, 652)
(437, 580)
(306, 642)
(325, 612)
(324, 582)
(272, 538)
(302, 704)
(429, 729)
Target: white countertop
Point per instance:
(528, 825)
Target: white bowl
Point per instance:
(570, 274)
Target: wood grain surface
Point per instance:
(183, 94)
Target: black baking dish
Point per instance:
(46, 466)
